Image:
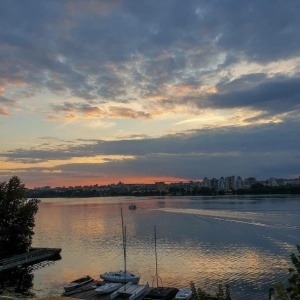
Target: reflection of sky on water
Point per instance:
(245, 242)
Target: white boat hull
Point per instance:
(120, 276)
(184, 294)
(108, 288)
(134, 291)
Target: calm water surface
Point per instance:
(242, 241)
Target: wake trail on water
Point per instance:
(248, 218)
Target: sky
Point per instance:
(97, 92)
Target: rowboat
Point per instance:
(77, 283)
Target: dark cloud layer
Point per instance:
(272, 150)
(276, 95)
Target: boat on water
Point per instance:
(162, 293)
(120, 276)
(184, 294)
(134, 291)
(108, 287)
(132, 206)
(77, 283)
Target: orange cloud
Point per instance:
(6, 85)
(127, 113)
(4, 112)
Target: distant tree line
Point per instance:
(255, 189)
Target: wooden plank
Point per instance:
(29, 258)
(88, 292)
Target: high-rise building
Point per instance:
(206, 182)
(272, 182)
(221, 184)
(214, 184)
(230, 183)
(248, 182)
(239, 184)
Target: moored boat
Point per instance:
(77, 283)
(184, 294)
(132, 206)
(134, 291)
(120, 276)
(162, 293)
(108, 287)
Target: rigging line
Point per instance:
(155, 256)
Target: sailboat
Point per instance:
(161, 293)
(121, 276)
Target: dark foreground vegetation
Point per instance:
(290, 290)
(16, 218)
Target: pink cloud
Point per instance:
(4, 112)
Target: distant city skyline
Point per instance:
(140, 91)
(249, 181)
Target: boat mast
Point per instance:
(124, 242)
(156, 274)
(157, 277)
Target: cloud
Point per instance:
(85, 54)
(249, 151)
(72, 111)
(122, 112)
(221, 62)
(83, 109)
(4, 112)
(276, 95)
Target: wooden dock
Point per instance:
(88, 292)
(34, 256)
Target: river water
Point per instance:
(245, 241)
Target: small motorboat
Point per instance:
(77, 283)
(132, 206)
(108, 287)
(184, 294)
(121, 276)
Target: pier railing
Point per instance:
(31, 257)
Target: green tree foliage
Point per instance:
(293, 288)
(292, 292)
(16, 217)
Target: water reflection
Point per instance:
(242, 241)
(18, 282)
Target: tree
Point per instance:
(294, 281)
(293, 290)
(16, 217)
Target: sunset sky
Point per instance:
(97, 92)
